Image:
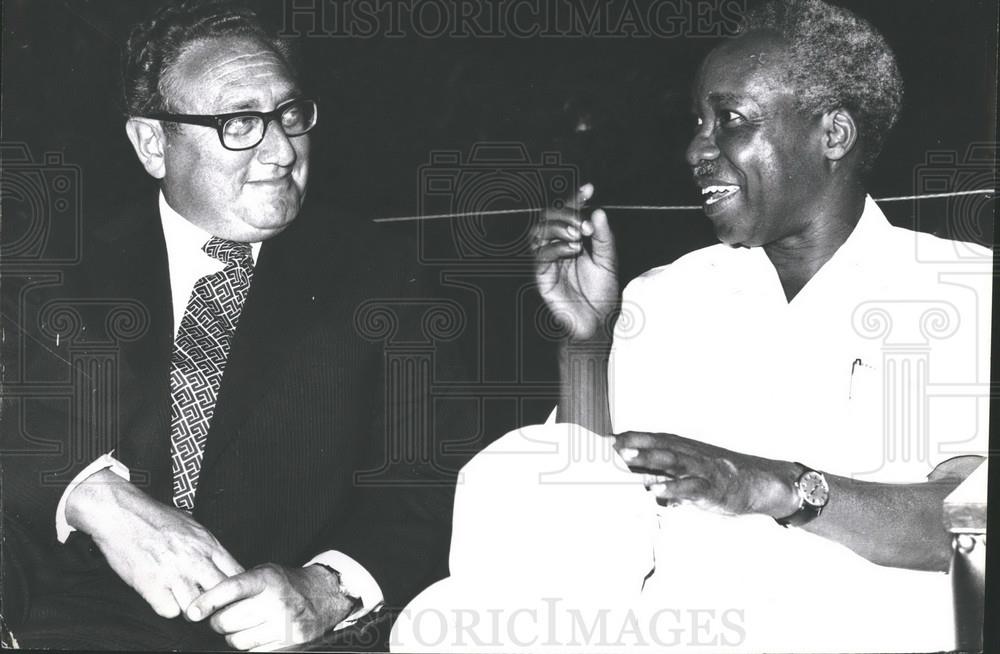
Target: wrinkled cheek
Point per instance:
(292, 200)
(300, 176)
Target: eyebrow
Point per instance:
(724, 98)
(253, 105)
(248, 105)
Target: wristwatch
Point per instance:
(814, 493)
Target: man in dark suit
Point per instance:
(238, 480)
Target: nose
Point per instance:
(276, 148)
(702, 147)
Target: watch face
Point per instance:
(814, 488)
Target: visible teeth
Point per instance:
(717, 192)
(718, 189)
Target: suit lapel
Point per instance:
(136, 246)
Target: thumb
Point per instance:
(602, 240)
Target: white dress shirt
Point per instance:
(188, 263)
(877, 370)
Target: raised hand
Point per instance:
(579, 286)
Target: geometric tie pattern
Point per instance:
(199, 359)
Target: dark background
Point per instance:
(388, 103)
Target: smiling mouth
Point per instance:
(714, 193)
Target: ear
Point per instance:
(840, 134)
(149, 142)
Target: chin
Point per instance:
(734, 233)
(726, 235)
(276, 216)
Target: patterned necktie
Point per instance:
(199, 359)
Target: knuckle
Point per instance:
(270, 574)
(160, 579)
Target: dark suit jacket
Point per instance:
(304, 405)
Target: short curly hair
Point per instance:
(154, 45)
(836, 60)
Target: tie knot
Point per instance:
(228, 251)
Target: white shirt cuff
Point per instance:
(63, 528)
(355, 581)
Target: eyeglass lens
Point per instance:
(247, 131)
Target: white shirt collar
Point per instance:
(861, 250)
(184, 234)
(185, 258)
(851, 261)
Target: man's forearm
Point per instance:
(583, 377)
(899, 525)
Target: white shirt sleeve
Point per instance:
(356, 582)
(63, 528)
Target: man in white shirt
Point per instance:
(215, 490)
(815, 333)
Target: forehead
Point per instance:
(227, 74)
(749, 67)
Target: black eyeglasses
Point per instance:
(242, 130)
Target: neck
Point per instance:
(799, 257)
